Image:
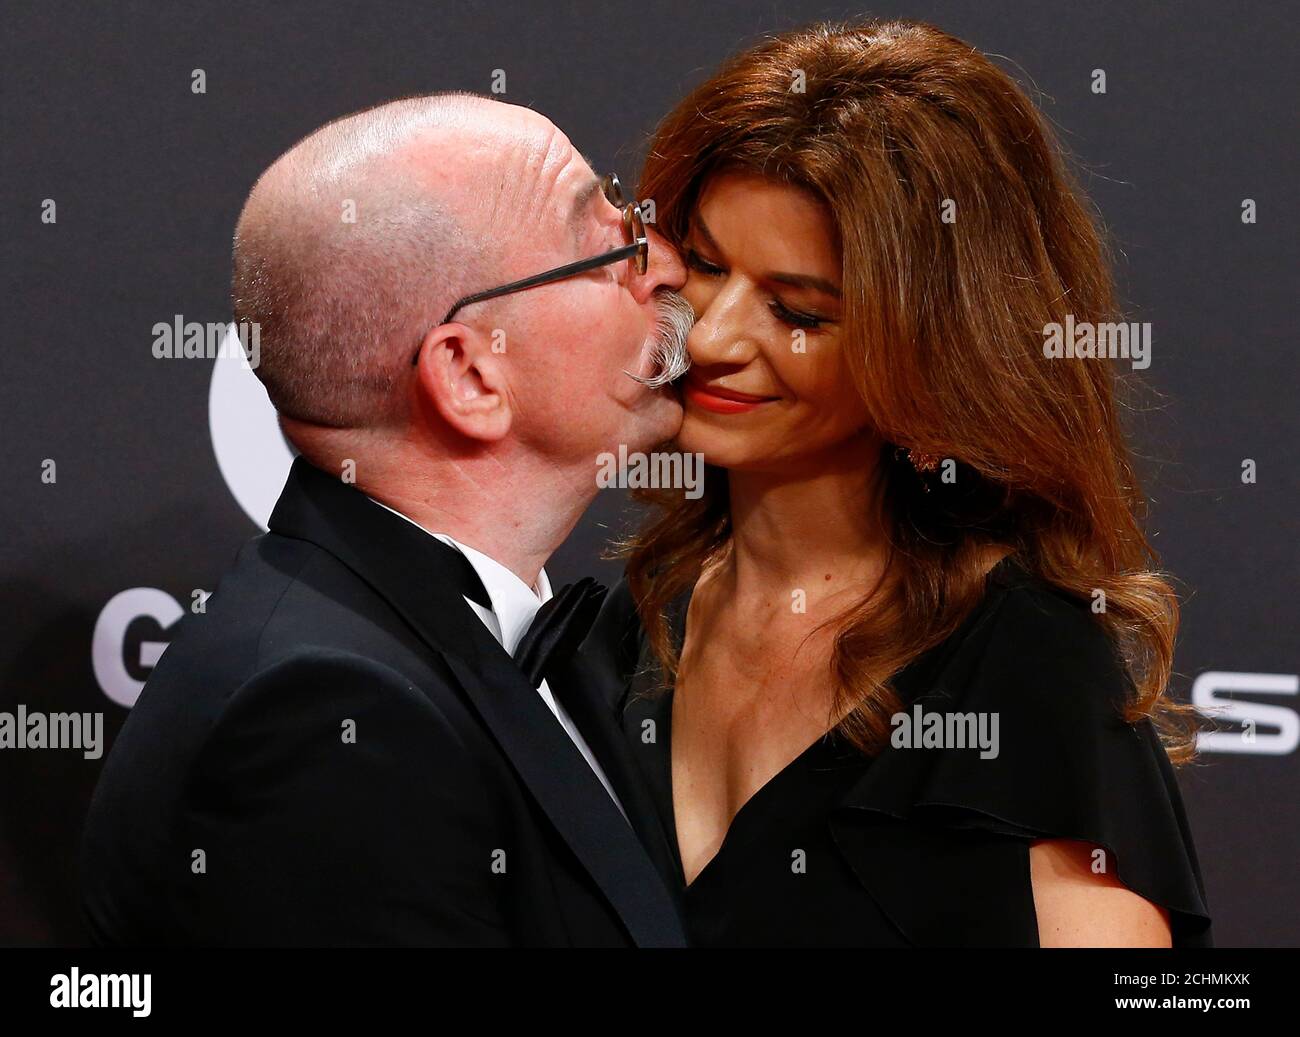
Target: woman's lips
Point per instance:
(721, 400)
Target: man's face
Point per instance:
(572, 346)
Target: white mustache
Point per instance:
(668, 356)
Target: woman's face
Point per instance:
(768, 383)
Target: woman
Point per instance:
(901, 668)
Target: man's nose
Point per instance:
(664, 269)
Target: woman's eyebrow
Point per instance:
(698, 223)
(818, 284)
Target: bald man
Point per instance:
(385, 729)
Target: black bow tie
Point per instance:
(559, 627)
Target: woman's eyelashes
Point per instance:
(794, 318)
(696, 262)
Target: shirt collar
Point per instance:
(514, 603)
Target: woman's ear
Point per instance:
(465, 382)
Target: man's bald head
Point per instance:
(356, 240)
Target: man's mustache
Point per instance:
(669, 359)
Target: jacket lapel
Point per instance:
(614, 660)
(412, 571)
(584, 683)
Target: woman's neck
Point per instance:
(815, 527)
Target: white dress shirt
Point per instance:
(514, 604)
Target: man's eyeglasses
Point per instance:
(637, 252)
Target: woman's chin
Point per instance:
(692, 438)
(720, 449)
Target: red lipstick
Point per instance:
(719, 399)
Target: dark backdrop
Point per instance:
(148, 176)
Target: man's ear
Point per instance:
(465, 382)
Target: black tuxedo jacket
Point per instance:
(339, 752)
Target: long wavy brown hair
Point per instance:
(893, 124)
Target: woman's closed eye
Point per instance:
(782, 312)
(696, 262)
(795, 318)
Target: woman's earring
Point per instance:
(921, 462)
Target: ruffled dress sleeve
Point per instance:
(940, 835)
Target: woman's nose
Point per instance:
(719, 335)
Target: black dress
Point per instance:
(930, 846)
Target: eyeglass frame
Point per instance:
(636, 252)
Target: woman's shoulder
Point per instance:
(1027, 644)
(1023, 633)
(1014, 728)
(1032, 607)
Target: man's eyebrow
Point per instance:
(581, 202)
(819, 284)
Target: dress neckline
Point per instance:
(825, 745)
(1005, 572)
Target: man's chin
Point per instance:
(660, 419)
